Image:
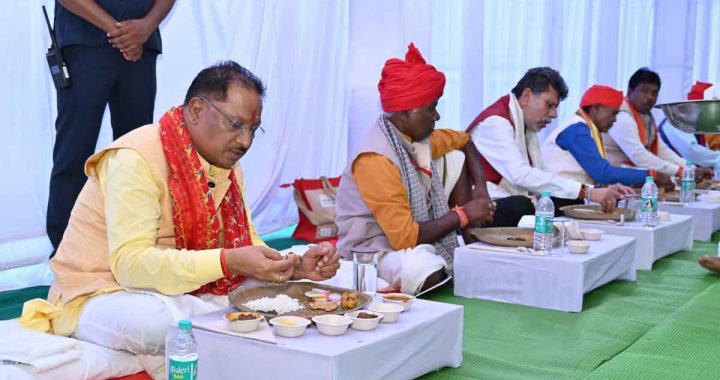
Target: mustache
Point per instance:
(241, 151)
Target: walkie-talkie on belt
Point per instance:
(58, 68)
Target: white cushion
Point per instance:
(96, 362)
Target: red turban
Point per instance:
(697, 91)
(602, 95)
(409, 84)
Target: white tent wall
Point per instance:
(321, 61)
(299, 49)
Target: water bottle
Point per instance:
(687, 189)
(648, 208)
(544, 213)
(717, 168)
(181, 353)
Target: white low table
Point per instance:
(425, 338)
(551, 282)
(654, 243)
(706, 216)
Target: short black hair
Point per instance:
(538, 79)
(643, 75)
(213, 82)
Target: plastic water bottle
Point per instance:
(181, 353)
(544, 213)
(687, 189)
(648, 208)
(717, 168)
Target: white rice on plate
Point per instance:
(279, 304)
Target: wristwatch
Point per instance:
(586, 192)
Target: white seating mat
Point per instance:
(96, 362)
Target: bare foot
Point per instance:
(433, 280)
(710, 263)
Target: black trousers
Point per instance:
(510, 209)
(560, 202)
(100, 76)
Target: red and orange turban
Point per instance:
(697, 91)
(602, 95)
(409, 84)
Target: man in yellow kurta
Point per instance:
(161, 231)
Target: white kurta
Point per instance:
(559, 160)
(623, 146)
(507, 149)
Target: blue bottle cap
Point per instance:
(649, 179)
(545, 194)
(185, 324)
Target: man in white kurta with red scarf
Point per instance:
(634, 139)
(161, 230)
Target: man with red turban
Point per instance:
(409, 187)
(575, 148)
(686, 144)
(697, 91)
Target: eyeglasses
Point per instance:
(237, 125)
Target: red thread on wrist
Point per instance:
(464, 221)
(652, 173)
(583, 192)
(223, 263)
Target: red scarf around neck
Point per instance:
(641, 129)
(195, 218)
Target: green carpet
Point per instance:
(281, 239)
(624, 328)
(684, 347)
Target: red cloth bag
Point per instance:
(315, 199)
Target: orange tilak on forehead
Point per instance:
(254, 115)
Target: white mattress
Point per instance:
(96, 362)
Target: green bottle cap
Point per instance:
(649, 179)
(185, 324)
(545, 194)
